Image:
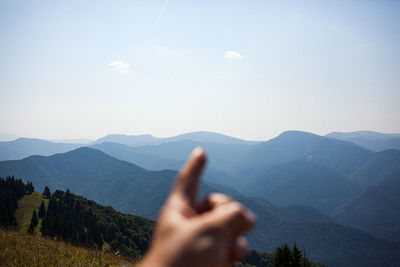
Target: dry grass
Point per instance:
(22, 249)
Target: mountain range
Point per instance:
(130, 188)
(304, 188)
(147, 139)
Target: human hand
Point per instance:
(198, 234)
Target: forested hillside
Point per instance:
(78, 221)
(81, 222)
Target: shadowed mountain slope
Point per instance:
(302, 182)
(382, 167)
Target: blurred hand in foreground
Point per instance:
(193, 234)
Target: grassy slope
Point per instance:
(26, 205)
(22, 249)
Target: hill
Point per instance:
(24, 147)
(343, 157)
(76, 220)
(221, 156)
(97, 176)
(73, 219)
(133, 155)
(376, 210)
(302, 182)
(135, 190)
(382, 167)
(372, 211)
(370, 140)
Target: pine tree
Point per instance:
(282, 256)
(42, 210)
(306, 262)
(34, 223)
(29, 188)
(46, 193)
(297, 256)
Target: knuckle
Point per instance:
(237, 210)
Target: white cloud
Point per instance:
(119, 66)
(233, 55)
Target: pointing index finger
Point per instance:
(188, 178)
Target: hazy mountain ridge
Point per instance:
(24, 147)
(343, 156)
(147, 139)
(7, 137)
(131, 154)
(369, 139)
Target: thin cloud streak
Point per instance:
(162, 10)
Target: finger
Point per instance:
(234, 218)
(240, 248)
(212, 201)
(187, 180)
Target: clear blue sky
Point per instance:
(249, 69)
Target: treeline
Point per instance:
(82, 222)
(283, 256)
(11, 190)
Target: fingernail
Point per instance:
(197, 151)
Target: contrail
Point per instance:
(162, 10)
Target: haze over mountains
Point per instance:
(370, 140)
(304, 188)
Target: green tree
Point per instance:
(297, 256)
(46, 193)
(29, 188)
(34, 223)
(305, 261)
(42, 210)
(283, 256)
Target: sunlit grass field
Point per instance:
(26, 205)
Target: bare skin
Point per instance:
(198, 234)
